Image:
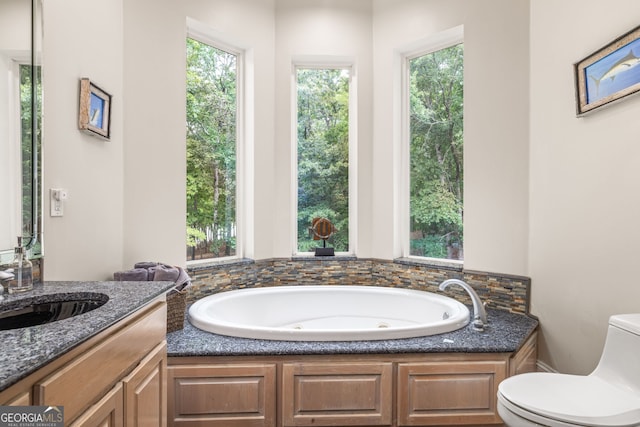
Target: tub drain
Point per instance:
(383, 325)
(297, 327)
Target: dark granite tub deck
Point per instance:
(505, 333)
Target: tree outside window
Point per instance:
(211, 151)
(436, 154)
(323, 154)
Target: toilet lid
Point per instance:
(580, 400)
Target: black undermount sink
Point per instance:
(38, 310)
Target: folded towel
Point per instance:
(145, 264)
(150, 266)
(183, 280)
(166, 272)
(135, 275)
(147, 270)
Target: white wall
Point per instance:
(155, 149)
(495, 129)
(584, 186)
(82, 39)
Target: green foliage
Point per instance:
(194, 236)
(211, 149)
(323, 154)
(436, 152)
(436, 208)
(432, 246)
(30, 90)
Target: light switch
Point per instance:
(58, 196)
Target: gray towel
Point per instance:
(166, 272)
(135, 275)
(145, 264)
(150, 266)
(147, 270)
(183, 279)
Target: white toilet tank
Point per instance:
(620, 360)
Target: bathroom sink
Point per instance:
(41, 309)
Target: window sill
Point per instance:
(213, 262)
(431, 262)
(311, 257)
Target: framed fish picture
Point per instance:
(94, 112)
(609, 74)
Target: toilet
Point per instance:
(609, 396)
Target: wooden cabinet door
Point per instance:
(145, 391)
(449, 393)
(224, 395)
(108, 412)
(84, 380)
(22, 399)
(337, 394)
(526, 359)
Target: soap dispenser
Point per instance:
(22, 279)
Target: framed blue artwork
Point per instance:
(94, 110)
(609, 74)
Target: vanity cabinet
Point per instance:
(431, 389)
(108, 412)
(138, 400)
(525, 359)
(116, 378)
(222, 395)
(449, 392)
(337, 394)
(145, 390)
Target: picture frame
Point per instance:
(94, 116)
(609, 74)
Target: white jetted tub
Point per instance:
(328, 313)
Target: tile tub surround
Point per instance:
(505, 333)
(498, 291)
(25, 350)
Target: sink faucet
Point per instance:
(5, 276)
(479, 313)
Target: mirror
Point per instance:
(20, 126)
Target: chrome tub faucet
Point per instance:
(479, 313)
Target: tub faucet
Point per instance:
(479, 313)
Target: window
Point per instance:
(323, 164)
(435, 98)
(212, 123)
(31, 127)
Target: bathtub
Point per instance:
(328, 313)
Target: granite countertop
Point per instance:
(505, 333)
(25, 350)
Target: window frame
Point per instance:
(434, 43)
(14, 133)
(200, 33)
(325, 63)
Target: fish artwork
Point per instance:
(623, 64)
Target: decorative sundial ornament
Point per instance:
(322, 229)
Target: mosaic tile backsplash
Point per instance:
(502, 292)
